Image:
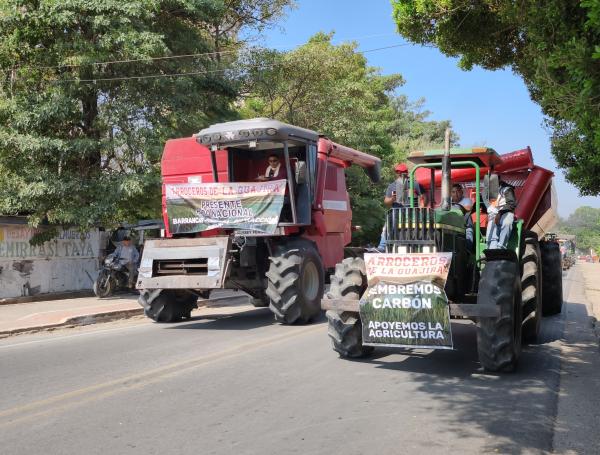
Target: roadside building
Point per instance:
(68, 262)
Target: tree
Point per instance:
(584, 223)
(331, 89)
(80, 140)
(554, 48)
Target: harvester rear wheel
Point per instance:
(172, 306)
(499, 339)
(345, 329)
(296, 282)
(552, 292)
(531, 289)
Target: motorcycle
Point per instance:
(113, 276)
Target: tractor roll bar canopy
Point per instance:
(256, 129)
(483, 156)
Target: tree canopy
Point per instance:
(89, 92)
(584, 223)
(553, 45)
(331, 89)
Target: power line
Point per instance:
(173, 57)
(197, 73)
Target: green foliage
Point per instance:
(331, 89)
(80, 142)
(584, 223)
(553, 45)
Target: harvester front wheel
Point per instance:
(296, 282)
(552, 294)
(531, 289)
(345, 330)
(499, 338)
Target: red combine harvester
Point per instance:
(254, 205)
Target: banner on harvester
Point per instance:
(196, 207)
(405, 304)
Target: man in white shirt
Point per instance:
(458, 199)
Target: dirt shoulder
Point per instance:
(591, 280)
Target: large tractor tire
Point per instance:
(499, 339)
(531, 288)
(296, 282)
(345, 330)
(172, 306)
(552, 292)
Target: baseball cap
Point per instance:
(400, 168)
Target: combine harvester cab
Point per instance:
(231, 223)
(437, 265)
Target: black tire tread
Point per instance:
(286, 301)
(345, 329)
(497, 345)
(531, 291)
(552, 292)
(172, 306)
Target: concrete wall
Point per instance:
(68, 263)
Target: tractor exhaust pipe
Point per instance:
(446, 201)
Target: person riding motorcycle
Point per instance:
(128, 256)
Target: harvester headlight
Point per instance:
(216, 137)
(271, 131)
(257, 133)
(244, 133)
(206, 139)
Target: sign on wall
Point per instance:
(68, 262)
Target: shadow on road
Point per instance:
(244, 320)
(516, 410)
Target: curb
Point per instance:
(44, 297)
(76, 321)
(94, 318)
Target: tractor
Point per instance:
(504, 291)
(230, 223)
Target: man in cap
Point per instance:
(397, 195)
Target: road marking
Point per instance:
(87, 308)
(104, 390)
(145, 323)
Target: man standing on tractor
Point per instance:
(501, 217)
(396, 195)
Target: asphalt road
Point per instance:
(233, 382)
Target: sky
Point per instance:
(490, 108)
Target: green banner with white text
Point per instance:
(196, 207)
(405, 304)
